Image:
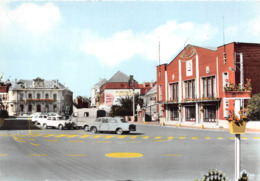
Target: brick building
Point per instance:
(197, 86)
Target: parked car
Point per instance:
(34, 117)
(40, 119)
(57, 122)
(112, 124)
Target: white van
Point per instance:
(83, 117)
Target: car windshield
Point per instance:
(123, 120)
(58, 118)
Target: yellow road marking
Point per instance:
(48, 135)
(207, 138)
(77, 141)
(34, 144)
(256, 137)
(182, 137)
(62, 135)
(72, 136)
(124, 155)
(171, 137)
(81, 132)
(220, 138)
(245, 138)
(29, 139)
(17, 139)
(133, 137)
(84, 136)
(34, 135)
(51, 140)
(96, 136)
(107, 137)
(194, 138)
(157, 137)
(76, 155)
(102, 141)
(121, 137)
(3, 154)
(146, 137)
(231, 138)
(160, 140)
(172, 155)
(37, 155)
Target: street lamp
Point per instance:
(131, 81)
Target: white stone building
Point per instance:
(39, 95)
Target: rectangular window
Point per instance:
(30, 96)
(210, 113)
(209, 87)
(225, 107)
(189, 87)
(55, 96)
(225, 79)
(174, 113)
(160, 92)
(46, 96)
(86, 114)
(174, 92)
(38, 96)
(190, 113)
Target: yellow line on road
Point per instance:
(194, 138)
(121, 137)
(84, 136)
(244, 138)
(37, 155)
(231, 138)
(49, 135)
(171, 137)
(146, 137)
(133, 137)
(172, 155)
(77, 141)
(34, 135)
(256, 138)
(206, 138)
(81, 132)
(107, 137)
(34, 144)
(29, 139)
(220, 138)
(76, 155)
(3, 154)
(160, 140)
(62, 135)
(17, 139)
(157, 137)
(96, 136)
(182, 137)
(72, 136)
(51, 140)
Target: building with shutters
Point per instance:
(39, 95)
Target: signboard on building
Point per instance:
(112, 96)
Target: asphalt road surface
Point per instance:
(150, 153)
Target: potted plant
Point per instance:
(237, 123)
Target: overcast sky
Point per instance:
(81, 42)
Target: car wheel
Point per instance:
(45, 126)
(119, 131)
(60, 127)
(86, 128)
(94, 130)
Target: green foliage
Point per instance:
(3, 114)
(126, 106)
(254, 108)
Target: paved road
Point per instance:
(150, 153)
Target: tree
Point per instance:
(254, 107)
(126, 106)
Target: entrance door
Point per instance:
(174, 113)
(209, 113)
(190, 113)
(39, 108)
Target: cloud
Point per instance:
(30, 17)
(122, 46)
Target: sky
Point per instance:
(81, 42)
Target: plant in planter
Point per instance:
(237, 124)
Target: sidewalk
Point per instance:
(196, 126)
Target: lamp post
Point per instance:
(132, 82)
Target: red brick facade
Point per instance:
(192, 86)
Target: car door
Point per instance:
(112, 124)
(104, 125)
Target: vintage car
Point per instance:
(57, 122)
(41, 118)
(111, 124)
